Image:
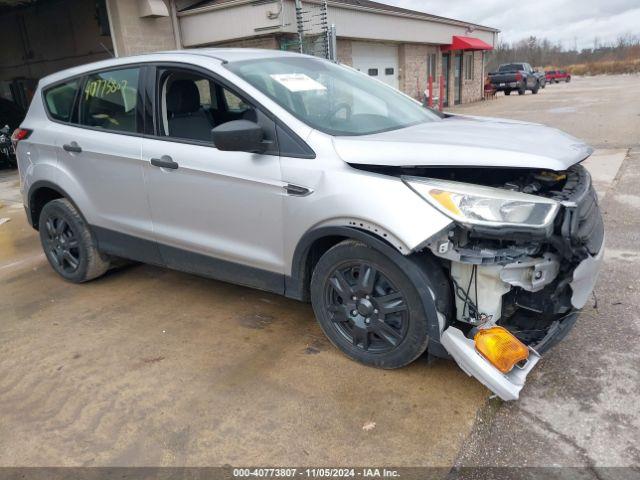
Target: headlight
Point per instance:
(478, 205)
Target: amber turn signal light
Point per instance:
(501, 348)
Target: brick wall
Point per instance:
(132, 34)
(413, 69)
(472, 89)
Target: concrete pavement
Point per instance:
(580, 405)
(151, 367)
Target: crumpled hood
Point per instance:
(466, 141)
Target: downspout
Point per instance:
(113, 33)
(175, 24)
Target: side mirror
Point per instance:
(239, 136)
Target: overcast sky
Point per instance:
(568, 21)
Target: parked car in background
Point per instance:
(563, 75)
(409, 232)
(555, 76)
(11, 115)
(515, 76)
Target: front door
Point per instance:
(214, 213)
(457, 79)
(446, 59)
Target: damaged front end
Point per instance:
(530, 276)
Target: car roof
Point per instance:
(224, 55)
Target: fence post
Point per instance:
(430, 91)
(441, 99)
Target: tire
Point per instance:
(507, 92)
(523, 89)
(535, 89)
(568, 80)
(68, 243)
(386, 325)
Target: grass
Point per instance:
(604, 67)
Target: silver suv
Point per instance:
(409, 231)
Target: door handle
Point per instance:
(164, 161)
(72, 147)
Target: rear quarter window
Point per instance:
(59, 100)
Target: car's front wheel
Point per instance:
(368, 307)
(507, 92)
(68, 243)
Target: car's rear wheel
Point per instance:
(535, 89)
(69, 244)
(368, 307)
(507, 92)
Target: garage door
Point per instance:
(378, 60)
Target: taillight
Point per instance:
(19, 134)
(518, 76)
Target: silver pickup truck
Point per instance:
(476, 239)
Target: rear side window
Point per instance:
(109, 100)
(59, 100)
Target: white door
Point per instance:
(378, 60)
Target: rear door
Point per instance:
(100, 152)
(214, 213)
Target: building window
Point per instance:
(431, 65)
(373, 72)
(388, 71)
(468, 66)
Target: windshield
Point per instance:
(332, 98)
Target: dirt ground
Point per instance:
(152, 367)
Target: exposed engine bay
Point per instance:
(522, 280)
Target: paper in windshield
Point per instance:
(297, 82)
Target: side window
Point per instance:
(191, 105)
(109, 100)
(59, 100)
(234, 103)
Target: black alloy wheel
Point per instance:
(69, 244)
(366, 308)
(61, 244)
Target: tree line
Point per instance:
(542, 53)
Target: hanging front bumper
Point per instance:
(506, 386)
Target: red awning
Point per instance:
(466, 43)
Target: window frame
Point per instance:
(147, 92)
(432, 56)
(82, 78)
(72, 112)
(140, 119)
(469, 70)
(155, 75)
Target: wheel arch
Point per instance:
(425, 271)
(41, 193)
